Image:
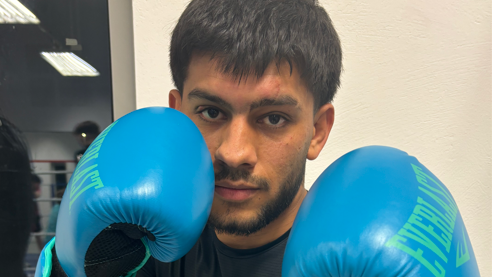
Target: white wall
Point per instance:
(417, 76)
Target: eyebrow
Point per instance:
(283, 100)
(201, 94)
(280, 101)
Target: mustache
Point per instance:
(236, 174)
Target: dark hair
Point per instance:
(246, 36)
(15, 199)
(87, 127)
(35, 179)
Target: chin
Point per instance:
(241, 223)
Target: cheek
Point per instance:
(212, 143)
(280, 157)
(289, 145)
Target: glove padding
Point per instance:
(377, 211)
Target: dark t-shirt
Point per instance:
(210, 257)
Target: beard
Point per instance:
(268, 212)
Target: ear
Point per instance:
(175, 99)
(323, 122)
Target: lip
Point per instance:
(235, 192)
(234, 185)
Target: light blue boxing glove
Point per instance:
(377, 211)
(144, 187)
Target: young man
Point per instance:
(257, 77)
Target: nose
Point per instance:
(237, 149)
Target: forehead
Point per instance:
(277, 81)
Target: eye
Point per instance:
(274, 120)
(211, 114)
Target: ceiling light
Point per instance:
(13, 12)
(69, 64)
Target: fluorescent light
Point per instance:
(13, 12)
(69, 64)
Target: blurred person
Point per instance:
(36, 222)
(85, 133)
(51, 228)
(15, 199)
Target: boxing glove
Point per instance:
(377, 211)
(144, 187)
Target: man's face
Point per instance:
(36, 189)
(258, 132)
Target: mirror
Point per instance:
(56, 87)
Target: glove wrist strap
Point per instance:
(48, 258)
(133, 272)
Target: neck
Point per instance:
(271, 232)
